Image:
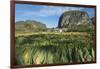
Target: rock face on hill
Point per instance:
(72, 18)
(93, 20)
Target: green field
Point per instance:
(54, 48)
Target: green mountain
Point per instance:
(76, 21)
(29, 26)
(70, 18)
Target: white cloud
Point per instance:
(51, 10)
(46, 11)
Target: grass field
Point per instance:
(57, 33)
(54, 48)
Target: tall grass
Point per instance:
(54, 49)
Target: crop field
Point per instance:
(54, 48)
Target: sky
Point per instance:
(48, 15)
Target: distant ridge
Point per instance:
(29, 26)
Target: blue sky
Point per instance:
(48, 15)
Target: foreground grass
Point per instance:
(54, 48)
(57, 33)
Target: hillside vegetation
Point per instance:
(29, 26)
